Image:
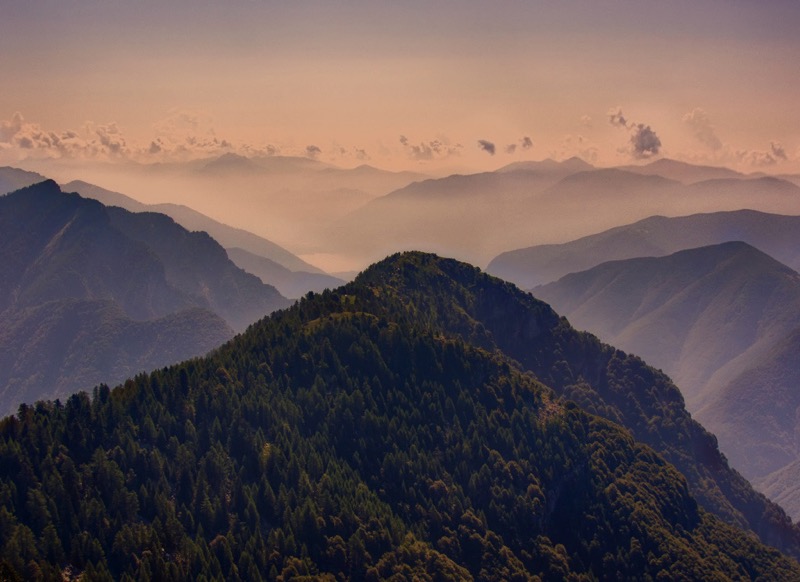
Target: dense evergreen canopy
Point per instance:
(377, 432)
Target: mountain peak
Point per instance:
(573, 164)
(45, 187)
(229, 162)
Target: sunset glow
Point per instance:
(411, 85)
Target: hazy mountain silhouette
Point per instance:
(754, 412)
(63, 256)
(478, 216)
(227, 236)
(724, 322)
(13, 179)
(232, 164)
(682, 171)
(383, 430)
(562, 168)
(783, 487)
(610, 185)
(291, 284)
(776, 235)
(470, 216)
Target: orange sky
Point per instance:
(428, 86)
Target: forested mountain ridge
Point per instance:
(603, 380)
(364, 434)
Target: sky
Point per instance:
(432, 86)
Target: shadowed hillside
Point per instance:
(723, 322)
(365, 434)
(83, 286)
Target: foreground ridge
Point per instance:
(377, 430)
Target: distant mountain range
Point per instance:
(273, 264)
(724, 322)
(776, 235)
(96, 292)
(682, 171)
(190, 219)
(477, 216)
(13, 179)
(409, 425)
(290, 283)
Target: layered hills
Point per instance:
(724, 322)
(14, 178)
(273, 264)
(478, 216)
(775, 234)
(383, 430)
(83, 286)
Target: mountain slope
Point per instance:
(682, 171)
(227, 236)
(754, 415)
(475, 217)
(353, 437)
(723, 322)
(197, 265)
(291, 284)
(690, 313)
(70, 267)
(776, 235)
(470, 216)
(62, 346)
(59, 245)
(13, 179)
(602, 379)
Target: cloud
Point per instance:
(644, 143)
(616, 118)
(181, 135)
(31, 140)
(339, 152)
(486, 146)
(313, 151)
(184, 122)
(186, 134)
(524, 142)
(8, 129)
(761, 158)
(586, 121)
(111, 139)
(777, 151)
(702, 128)
(430, 150)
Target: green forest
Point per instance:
(424, 422)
